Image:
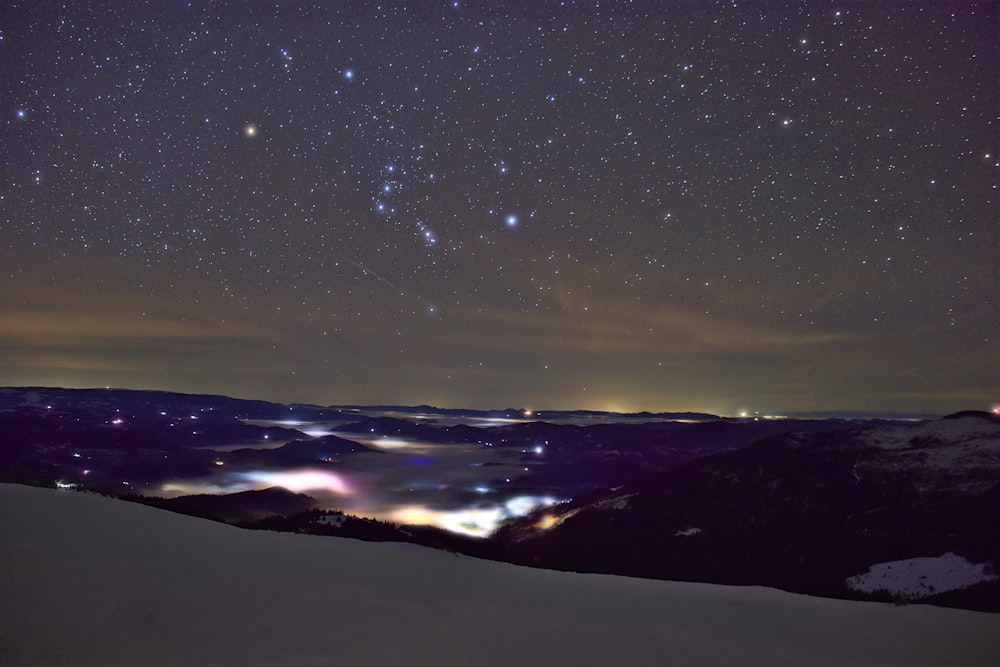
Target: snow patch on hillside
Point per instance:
(615, 503)
(972, 433)
(335, 520)
(921, 577)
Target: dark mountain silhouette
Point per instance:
(799, 511)
(245, 506)
(324, 449)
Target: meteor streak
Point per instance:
(395, 288)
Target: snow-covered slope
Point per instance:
(86, 580)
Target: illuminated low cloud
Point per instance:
(301, 481)
(477, 521)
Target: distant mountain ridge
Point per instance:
(132, 399)
(112, 397)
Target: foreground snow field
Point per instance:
(87, 580)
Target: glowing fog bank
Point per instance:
(299, 481)
(479, 521)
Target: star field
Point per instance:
(634, 205)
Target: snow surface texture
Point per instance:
(920, 577)
(87, 580)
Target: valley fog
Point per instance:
(469, 488)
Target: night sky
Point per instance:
(758, 206)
